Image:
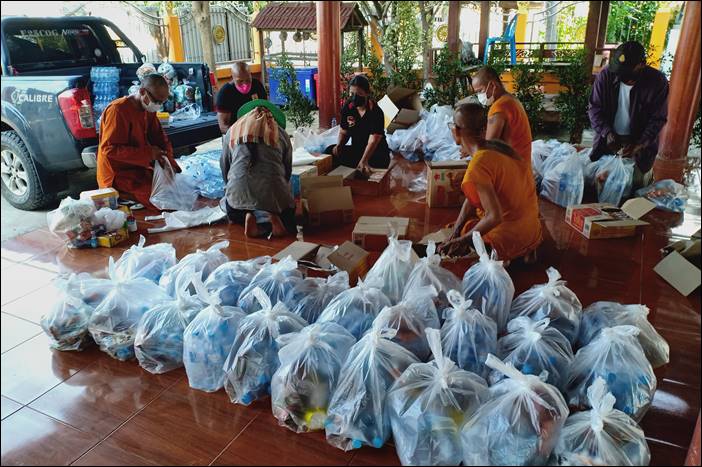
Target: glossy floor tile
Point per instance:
(9, 407)
(15, 331)
(35, 304)
(21, 280)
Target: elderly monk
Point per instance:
(242, 89)
(131, 140)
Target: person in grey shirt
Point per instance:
(257, 165)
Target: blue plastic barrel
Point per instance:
(307, 85)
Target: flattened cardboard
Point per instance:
(636, 208)
(297, 250)
(444, 183)
(679, 272)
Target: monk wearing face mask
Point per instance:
(132, 141)
(242, 89)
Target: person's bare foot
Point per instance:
(250, 227)
(278, 229)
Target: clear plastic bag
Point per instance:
(667, 194)
(601, 436)
(112, 219)
(92, 290)
(468, 335)
(317, 143)
(410, 319)
(207, 341)
(428, 405)
(411, 141)
(519, 425)
(393, 268)
(616, 356)
(541, 151)
(428, 272)
(532, 347)
(201, 263)
(177, 220)
(204, 173)
(70, 214)
(253, 357)
(602, 315)
(276, 280)
(488, 283)
(437, 133)
(564, 183)
(231, 278)
(113, 324)
(619, 176)
(187, 112)
(149, 262)
(310, 362)
(553, 300)
(356, 414)
(356, 308)
(67, 322)
(171, 191)
(311, 296)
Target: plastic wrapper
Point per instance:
(167, 70)
(541, 151)
(356, 414)
(204, 173)
(468, 335)
(617, 357)
(112, 219)
(114, 322)
(231, 278)
(564, 183)
(171, 191)
(488, 283)
(410, 319)
(207, 341)
(311, 296)
(200, 263)
(145, 69)
(437, 133)
(393, 268)
(67, 322)
(667, 194)
(450, 151)
(310, 362)
(428, 272)
(428, 405)
(184, 93)
(619, 174)
(187, 112)
(149, 262)
(276, 280)
(177, 220)
(253, 358)
(70, 214)
(519, 425)
(532, 347)
(551, 300)
(317, 143)
(602, 315)
(411, 143)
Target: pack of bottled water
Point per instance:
(105, 81)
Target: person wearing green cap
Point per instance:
(256, 165)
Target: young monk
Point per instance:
(501, 200)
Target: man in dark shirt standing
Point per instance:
(242, 89)
(628, 109)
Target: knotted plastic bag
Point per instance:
(231, 278)
(356, 414)
(601, 436)
(149, 262)
(602, 315)
(616, 356)
(619, 173)
(113, 324)
(66, 323)
(253, 357)
(171, 191)
(564, 183)
(468, 335)
(310, 362)
(488, 283)
(553, 300)
(356, 308)
(317, 143)
(92, 290)
(428, 272)
(667, 194)
(519, 425)
(534, 346)
(200, 264)
(393, 268)
(311, 296)
(428, 405)
(410, 319)
(276, 280)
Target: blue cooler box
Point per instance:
(307, 85)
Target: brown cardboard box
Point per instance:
(401, 107)
(324, 163)
(102, 198)
(322, 261)
(377, 184)
(444, 183)
(298, 173)
(371, 233)
(601, 220)
(325, 201)
(112, 239)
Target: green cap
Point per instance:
(278, 114)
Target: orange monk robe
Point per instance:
(517, 131)
(124, 156)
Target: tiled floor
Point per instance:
(87, 409)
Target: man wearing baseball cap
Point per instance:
(628, 108)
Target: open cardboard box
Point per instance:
(371, 233)
(325, 201)
(299, 172)
(401, 107)
(444, 183)
(317, 260)
(601, 220)
(377, 184)
(680, 266)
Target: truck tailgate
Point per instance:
(193, 132)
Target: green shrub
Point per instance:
(448, 86)
(298, 108)
(527, 88)
(572, 103)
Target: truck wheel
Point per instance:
(22, 185)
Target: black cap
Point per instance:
(626, 57)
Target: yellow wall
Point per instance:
(660, 28)
(520, 31)
(550, 82)
(176, 52)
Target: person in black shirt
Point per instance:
(242, 89)
(363, 121)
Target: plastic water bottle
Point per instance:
(333, 122)
(198, 98)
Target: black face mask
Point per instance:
(359, 101)
(628, 75)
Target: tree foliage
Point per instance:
(402, 44)
(573, 101)
(571, 28)
(298, 108)
(448, 86)
(631, 21)
(527, 88)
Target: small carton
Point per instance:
(102, 198)
(325, 201)
(601, 220)
(112, 239)
(444, 183)
(324, 163)
(377, 183)
(298, 173)
(371, 233)
(322, 261)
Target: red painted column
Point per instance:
(329, 56)
(693, 453)
(683, 99)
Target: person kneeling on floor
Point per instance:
(256, 165)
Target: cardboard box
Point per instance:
(102, 198)
(112, 239)
(324, 163)
(444, 183)
(598, 220)
(325, 201)
(401, 107)
(298, 173)
(377, 184)
(322, 261)
(371, 233)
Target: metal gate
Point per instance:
(237, 35)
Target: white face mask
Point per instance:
(151, 107)
(485, 100)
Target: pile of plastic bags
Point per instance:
(429, 138)
(393, 268)
(79, 223)
(564, 181)
(149, 262)
(312, 295)
(428, 272)
(201, 262)
(276, 280)
(313, 142)
(231, 278)
(204, 173)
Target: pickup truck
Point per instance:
(46, 65)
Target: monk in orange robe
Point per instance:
(132, 140)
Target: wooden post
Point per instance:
(591, 32)
(361, 49)
(693, 453)
(329, 91)
(264, 75)
(602, 28)
(484, 29)
(454, 25)
(683, 99)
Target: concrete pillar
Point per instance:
(520, 29)
(328, 37)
